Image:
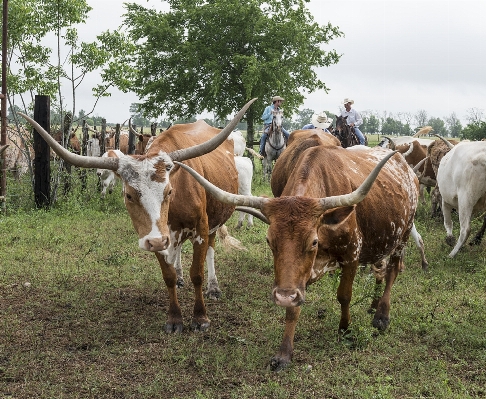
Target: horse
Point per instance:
(274, 145)
(345, 133)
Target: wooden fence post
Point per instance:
(131, 141)
(84, 150)
(42, 167)
(117, 136)
(103, 137)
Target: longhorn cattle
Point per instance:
(20, 152)
(461, 188)
(330, 215)
(435, 153)
(244, 166)
(165, 205)
(414, 153)
(108, 177)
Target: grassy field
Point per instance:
(82, 311)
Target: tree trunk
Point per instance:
(42, 167)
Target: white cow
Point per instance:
(244, 166)
(245, 173)
(239, 142)
(460, 178)
(107, 177)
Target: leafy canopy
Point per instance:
(216, 55)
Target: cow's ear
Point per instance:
(337, 216)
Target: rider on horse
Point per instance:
(353, 119)
(267, 120)
(319, 121)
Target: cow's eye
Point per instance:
(129, 197)
(315, 242)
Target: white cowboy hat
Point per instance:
(348, 100)
(277, 98)
(321, 120)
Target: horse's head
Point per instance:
(277, 120)
(342, 131)
(341, 123)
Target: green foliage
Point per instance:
(82, 304)
(217, 55)
(371, 124)
(391, 127)
(475, 131)
(438, 125)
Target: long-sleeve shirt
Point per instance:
(267, 114)
(353, 117)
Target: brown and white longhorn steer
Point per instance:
(330, 215)
(167, 207)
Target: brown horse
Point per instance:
(345, 133)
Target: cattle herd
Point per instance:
(186, 183)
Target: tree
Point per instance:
(215, 56)
(421, 118)
(371, 124)
(454, 125)
(475, 131)
(475, 115)
(438, 125)
(303, 117)
(137, 117)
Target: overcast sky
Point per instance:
(398, 56)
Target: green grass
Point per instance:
(82, 311)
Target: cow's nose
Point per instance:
(288, 298)
(157, 244)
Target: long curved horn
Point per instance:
(210, 145)
(417, 167)
(254, 212)
(224, 196)
(130, 127)
(392, 143)
(360, 193)
(3, 148)
(448, 143)
(73, 159)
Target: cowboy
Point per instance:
(353, 119)
(267, 120)
(319, 121)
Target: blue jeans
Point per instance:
(360, 135)
(263, 139)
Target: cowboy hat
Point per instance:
(348, 100)
(321, 120)
(277, 98)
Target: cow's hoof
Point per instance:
(200, 325)
(450, 240)
(173, 328)
(238, 226)
(180, 283)
(213, 293)
(278, 364)
(381, 322)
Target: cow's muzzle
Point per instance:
(288, 297)
(156, 244)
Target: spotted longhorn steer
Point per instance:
(165, 205)
(461, 182)
(330, 215)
